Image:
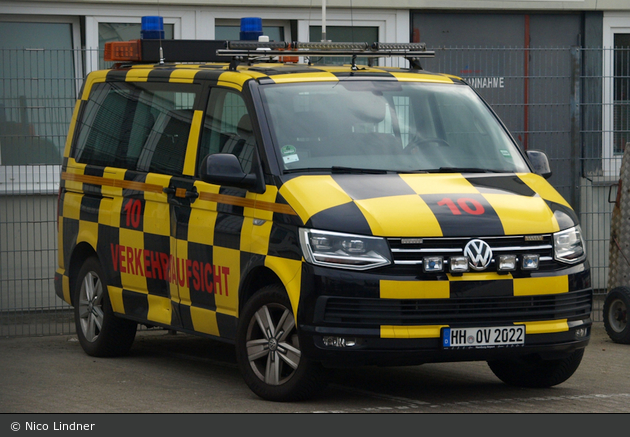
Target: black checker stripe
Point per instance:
(227, 326)
(185, 317)
(157, 249)
(161, 75)
(227, 231)
(456, 222)
(565, 216)
(108, 239)
(202, 280)
(347, 218)
(371, 186)
(136, 305)
(89, 208)
(471, 289)
(284, 242)
(93, 171)
(70, 231)
(501, 185)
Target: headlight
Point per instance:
(569, 246)
(347, 251)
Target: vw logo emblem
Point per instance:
(479, 254)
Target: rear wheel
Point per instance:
(616, 315)
(268, 350)
(534, 372)
(100, 332)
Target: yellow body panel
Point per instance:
(414, 289)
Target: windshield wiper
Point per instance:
(353, 170)
(338, 170)
(463, 170)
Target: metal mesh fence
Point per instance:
(569, 102)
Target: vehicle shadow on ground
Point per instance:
(201, 359)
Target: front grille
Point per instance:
(454, 311)
(411, 251)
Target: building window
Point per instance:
(125, 32)
(232, 32)
(621, 102)
(367, 34)
(615, 91)
(37, 91)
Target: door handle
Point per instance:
(182, 193)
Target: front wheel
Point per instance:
(100, 332)
(616, 315)
(534, 372)
(268, 350)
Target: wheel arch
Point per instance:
(286, 272)
(256, 279)
(80, 253)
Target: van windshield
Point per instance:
(386, 126)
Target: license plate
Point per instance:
(483, 337)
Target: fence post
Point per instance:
(575, 112)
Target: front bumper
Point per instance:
(344, 321)
(370, 349)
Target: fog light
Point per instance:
(507, 263)
(432, 263)
(530, 262)
(581, 333)
(339, 341)
(458, 264)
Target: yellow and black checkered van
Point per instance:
(316, 217)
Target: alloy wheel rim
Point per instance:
(90, 306)
(272, 345)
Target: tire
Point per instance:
(533, 372)
(101, 333)
(616, 315)
(268, 350)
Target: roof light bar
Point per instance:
(414, 47)
(255, 45)
(329, 45)
(152, 45)
(249, 50)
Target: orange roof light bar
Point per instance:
(123, 51)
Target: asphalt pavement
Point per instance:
(180, 373)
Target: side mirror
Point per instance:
(225, 169)
(540, 163)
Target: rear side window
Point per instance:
(138, 126)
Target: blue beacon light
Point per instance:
(152, 27)
(251, 28)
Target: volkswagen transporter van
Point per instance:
(314, 216)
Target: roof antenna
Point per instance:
(324, 22)
(161, 34)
